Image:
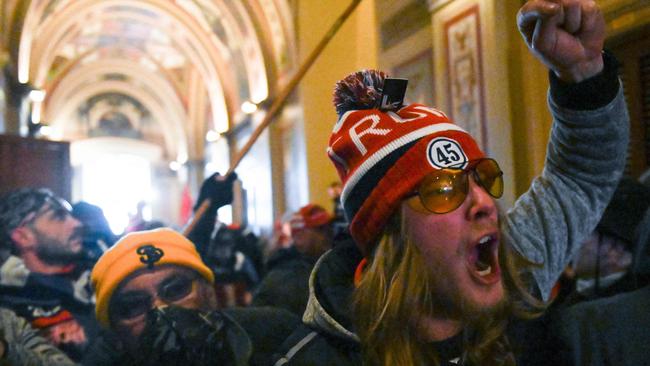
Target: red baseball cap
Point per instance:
(310, 216)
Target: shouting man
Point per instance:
(436, 274)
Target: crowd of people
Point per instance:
(414, 265)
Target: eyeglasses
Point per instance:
(133, 304)
(445, 190)
(61, 210)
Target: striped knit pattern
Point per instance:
(382, 156)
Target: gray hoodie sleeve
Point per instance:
(585, 160)
(24, 347)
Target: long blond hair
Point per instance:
(396, 285)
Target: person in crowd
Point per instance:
(235, 258)
(436, 275)
(20, 344)
(605, 331)
(339, 223)
(311, 230)
(43, 277)
(233, 253)
(153, 224)
(286, 284)
(156, 298)
(603, 265)
(334, 192)
(98, 236)
(281, 238)
(608, 324)
(609, 330)
(137, 222)
(216, 191)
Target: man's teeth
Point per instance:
(485, 272)
(483, 267)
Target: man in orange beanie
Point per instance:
(156, 296)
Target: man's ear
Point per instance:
(23, 238)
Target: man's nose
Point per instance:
(159, 303)
(74, 222)
(482, 205)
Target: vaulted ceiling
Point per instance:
(175, 71)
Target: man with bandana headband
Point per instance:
(42, 277)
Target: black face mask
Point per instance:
(179, 336)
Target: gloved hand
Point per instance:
(217, 189)
(179, 336)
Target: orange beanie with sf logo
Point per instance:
(139, 250)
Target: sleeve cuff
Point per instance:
(590, 94)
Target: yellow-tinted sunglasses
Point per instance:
(445, 190)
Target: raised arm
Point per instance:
(587, 150)
(219, 191)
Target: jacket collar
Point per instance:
(330, 292)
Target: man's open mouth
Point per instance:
(483, 258)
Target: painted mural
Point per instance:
(465, 88)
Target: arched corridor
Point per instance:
(341, 182)
(183, 85)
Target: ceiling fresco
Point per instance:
(194, 61)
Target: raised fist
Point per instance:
(218, 189)
(566, 35)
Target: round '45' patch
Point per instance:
(444, 152)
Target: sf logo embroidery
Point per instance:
(444, 152)
(149, 254)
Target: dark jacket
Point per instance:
(612, 331)
(232, 253)
(267, 328)
(637, 235)
(286, 284)
(24, 347)
(249, 336)
(46, 300)
(327, 336)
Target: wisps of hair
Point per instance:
(359, 90)
(391, 290)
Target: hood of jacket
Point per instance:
(331, 285)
